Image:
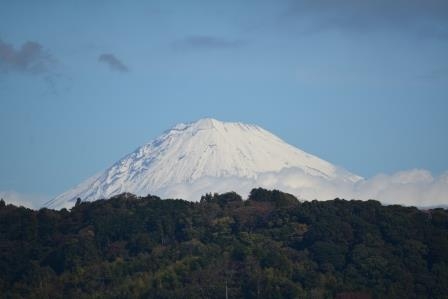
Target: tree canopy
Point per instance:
(268, 246)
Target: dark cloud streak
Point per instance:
(113, 62)
(206, 42)
(29, 58)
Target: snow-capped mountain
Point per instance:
(204, 156)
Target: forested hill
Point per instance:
(268, 246)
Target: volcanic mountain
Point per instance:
(203, 156)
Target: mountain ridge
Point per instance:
(189, 152)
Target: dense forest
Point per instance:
(268, 246)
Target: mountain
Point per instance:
(203, 156)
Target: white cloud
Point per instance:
(411, 188)
(31, 201)
(414, 187)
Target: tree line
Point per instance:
(268, 246)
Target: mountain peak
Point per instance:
(212, 123)
(207, 122)
(188, 154)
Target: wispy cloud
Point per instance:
(29, 58)
(415, 187)
(422, 17)
(113, 62)
(206, 42)
(411, 188)
(31, 201)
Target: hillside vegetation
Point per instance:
(268, 246)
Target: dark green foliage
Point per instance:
(269, 246)
(279, 199)
(222, 199)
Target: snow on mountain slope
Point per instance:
(189, 155)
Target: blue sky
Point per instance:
(363, 85)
